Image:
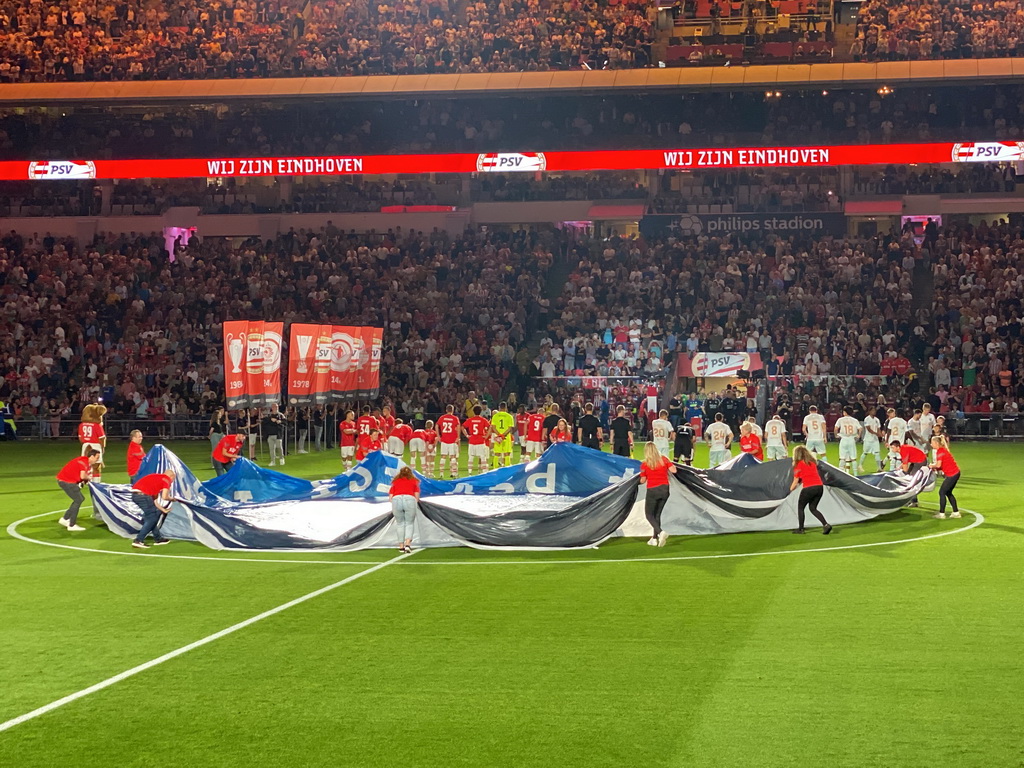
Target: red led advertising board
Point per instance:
(512, 162)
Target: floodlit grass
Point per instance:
(896, 655)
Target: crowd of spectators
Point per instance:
(934, 180)
(937, 319)
(118, 320)
(531, 123)
(84, 40)
(180, 39)
(938, 29)
(750, 191)
(743, 191)
(825, 315)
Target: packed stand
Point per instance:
(938, 29)
(183, 40)
(532, 123)
(826, 315)
(118, 320)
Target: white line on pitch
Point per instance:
(12, 531)
(978, 520)
(190, 647)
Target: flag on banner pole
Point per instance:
(373, 339)
(252, 363)
(309, 364)
(333, 362)
(273, 339)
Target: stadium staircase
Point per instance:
(558, 276)
(923, 297)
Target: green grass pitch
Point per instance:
(906, 654)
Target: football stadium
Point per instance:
(585, 383)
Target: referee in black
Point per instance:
(622, 433)
(588, 431)
(684, 443)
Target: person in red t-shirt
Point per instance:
(750, 442)
(421, 448)
(911, 457)
(535, 434)
(349, 430)
(654, 472)
(405, 494)
(430, 438)
(522, 427)
(368, 444)
(136, 453)
(477, 430)
(398, 438)
(152, 495)
(805, 473)
(71, 478)
(92, 435)
(946, 464)
(385, 420)
(228, 449)
(561, 433)
(448, 428)
(366, 422)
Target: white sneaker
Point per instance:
(939, 516)
(281, 462)
(652, 542)
(303, 451)
(75, 528)
(662, 538)
(273, 463)
(955, 514)
(64, 521)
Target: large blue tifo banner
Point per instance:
(571, 497)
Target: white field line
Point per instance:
(978, 520)
(190, 647)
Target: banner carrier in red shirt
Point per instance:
(817, 156)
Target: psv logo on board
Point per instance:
(504, 162)
(988, 152)
(61, 169)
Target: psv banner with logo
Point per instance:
(333, 362)
(709, 364)
(252, 363)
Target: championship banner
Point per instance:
(309, 364)
(252, 363)
(711, 364)
(328, 363)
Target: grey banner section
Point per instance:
(750, 496)
(578, 524)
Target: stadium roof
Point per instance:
(830, 75)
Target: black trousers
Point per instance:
(591, 443)
(809, 497)
(946, 492)
(653, 506)
(621, 449)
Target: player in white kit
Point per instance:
(927, 424)
(872, 441)
(661, 432)
(752, 421)
(897, 428)
(776, 443)
(848, 429)
(815, 432)
(718, 436)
